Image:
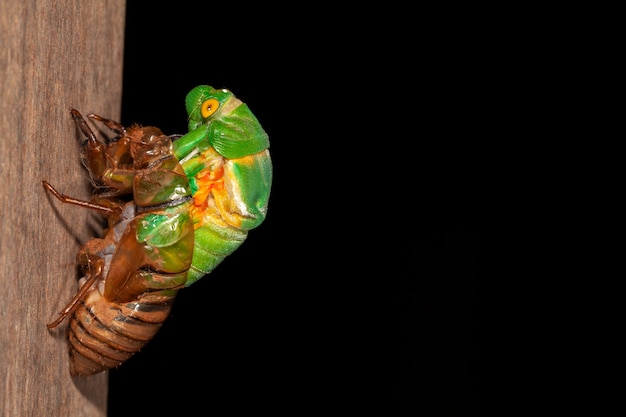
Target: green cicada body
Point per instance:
(226, 158)
(176, 207)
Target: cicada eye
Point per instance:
(209, 107)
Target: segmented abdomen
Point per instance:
(104, 334)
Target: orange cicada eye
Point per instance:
(209, 107)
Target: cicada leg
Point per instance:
(73, 304)
(114, 126)
(107, 163)
(95, 262)
(66, 199)
(93, 152)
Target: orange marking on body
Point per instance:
(207, 180)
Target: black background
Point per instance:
(353, 296)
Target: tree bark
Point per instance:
(54, 56)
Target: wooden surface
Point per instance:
(53, 56)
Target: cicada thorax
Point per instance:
(132, 273)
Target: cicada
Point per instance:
(226, 158)
(176, 206)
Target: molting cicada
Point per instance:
(176, 206)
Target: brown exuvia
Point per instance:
(131, 274)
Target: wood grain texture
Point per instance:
(54, 56)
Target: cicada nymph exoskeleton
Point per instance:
(133, 272)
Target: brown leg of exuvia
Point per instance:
(71, 306)
(84, 127)
(96, 263)
(82, 203)
(114, 126)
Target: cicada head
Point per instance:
(220, 120)
(205, 103)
